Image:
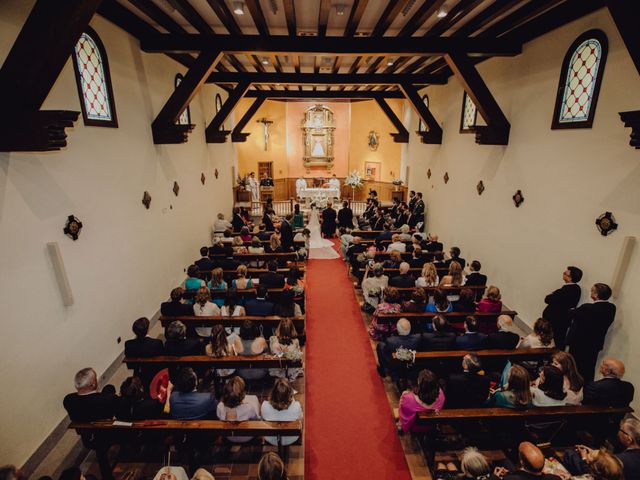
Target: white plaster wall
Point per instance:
(568, 178)
(127, 258)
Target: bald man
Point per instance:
(405, 279)
(531, 465)
(385, 349)
(611, 390)
(433, 245)
(504, 338)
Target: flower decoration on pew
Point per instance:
(293, 355)
(72, 227)
(406, 355)
(606, 223)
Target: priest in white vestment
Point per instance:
(254, 187)
(335, 183)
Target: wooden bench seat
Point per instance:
(243, 292)
(487, 321)
(251, 273)
(423, 358)
(231, 361)
(193, 321)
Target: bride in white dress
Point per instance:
(318, 246)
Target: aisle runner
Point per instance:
(349, 430)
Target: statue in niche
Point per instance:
(318, 129)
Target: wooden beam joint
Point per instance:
(632, 120)
(433, 135)
(237, 135)
(214, 132)
(40, 131)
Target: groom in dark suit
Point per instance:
(345, 216)
(286, 234)
(329, 221)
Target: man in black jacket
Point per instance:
(504, 338)
(470, 388)
(588, 329)
(286, 234)
(391, 344)
(560, 303)
(177, 344)
(405, 279)
(205, 264)
(175, 308)
(433, 245)
(611, 390)
(237, 221)
(272, 279)
(441, 339)
(531, 465)
(345, 216)
(142, 346)
(88, 404)
(475, 278)
(454, 256)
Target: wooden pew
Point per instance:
(231, 361)
(244, 292)
(375, 233)
(487, 321)
(100, 435)
(511, 419)
(429, 291)
(268, 322)
(251, 273)
(261, 258)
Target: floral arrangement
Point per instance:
(293, 355)
(354, 180)
(397, 181)
(406, 355)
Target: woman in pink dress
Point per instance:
(426, 396)
(492, 302)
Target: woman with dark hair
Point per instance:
(252, 344)
(298, 218)
(271, 467)
(193, 281)
(285, 341)
(236, 406)
(541, 337)
(514, 394)
(550, 389)
(222, 345)
(573, 381)
(394, 260)
(294, 281)
(390, 304)
(245, 234)
(286, 307)
(256, 246)
(467, 302)
(231, 307)
(439, 303)
(281, 407)
(426, 396)
(417, 303)
(134, 404)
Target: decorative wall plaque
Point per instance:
(446, 177)
(202, 178)
(318, 129)
(606, 223)
(480, 187)
(176, 188)
(146, 200)
(518, 198)
(215, 173)
(72, 227)
(429, 173)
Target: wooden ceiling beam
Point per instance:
(290, 15)
(158, 15)
(424, 13)
(164, 128)
(255, 10)
(213, 132)
(496, 132)
(225, 16)
(402, 135)
(391, 11)
(236, 134)
(326, 79)
(456, 14)
(323, 17)
(433, 135)
(357, 10)
(282, 45)
(520, 16)
(192, 16)
(323, 95)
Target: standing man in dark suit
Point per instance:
(345, 216)
(588, 329)
(88, 404)
(611, 390)
(286, 234)
(560, 303)
(470, 388)
(412, 200)
(329, 222)
(504, 338)
(237, 221)
(391, 344)
(272, 279)
(419, 207)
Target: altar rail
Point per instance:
(281, 207)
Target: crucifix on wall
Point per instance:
(265, 124)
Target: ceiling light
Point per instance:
(238, 8)
(265, 61)
(390, 62)
(442, 13)
(340, 9)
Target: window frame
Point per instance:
(176, 81)
(421, 126)
(91, 122)
(472, 128)
(601, 37)
(218, 106)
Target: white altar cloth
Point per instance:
(323, 193)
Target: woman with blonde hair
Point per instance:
(284, 341)
(238, 245)
(204, 307)
(428, 277)
(275, 245)
(454, 278)
(394, 260)
(241, 282)
(281, 407)
(491, 303)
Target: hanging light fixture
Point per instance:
(340, 7)
(442, 13)
(238, 8)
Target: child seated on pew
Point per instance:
(236, 405)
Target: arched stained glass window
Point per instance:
(421, 126)
(580, 81)
(94, 81)
(185, 117)
(469, 115)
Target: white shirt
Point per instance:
(399, 246)
(540, 399)
(533, 341)
(335, 183)
(294, 412)
(221, 225)
(422, 282)
(209, 309)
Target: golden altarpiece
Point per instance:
(318, 127)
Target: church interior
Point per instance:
(286, 239)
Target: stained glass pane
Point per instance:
(92, 79)
(185, 117)
(581, 79)
(469, 113)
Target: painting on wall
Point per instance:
(372, 171)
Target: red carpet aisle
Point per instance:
(350, 431)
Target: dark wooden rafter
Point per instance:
(625, 15)
(269, 78)
(402, 136)
(496, 132)
(433, 135)
(30, 70)
(357, 10)
(323, 17)
(192, 16)
(213, 133)
(237, 135)
(324, 94)
(164, 127)
(420, 17)
(290, 15)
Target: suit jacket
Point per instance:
(192, 405)
(467, 390)
(205, 264)
(345, 217)
(402, 281)
(418, 262)
(392, 343)
(259, 308)
(412, 202)
(181, 348)
(476, 278)
(433, 247)
(472, 341)
(413, 220)
(419, 207)
(611, 392)
(286, 236)
(377, 223)
(237, 222)
(268, 223)
(503, 340)
(143, 347)
(461, 261)
(87, 408)
(402, 219)
(175, 309)
(438, 341)
(272, 280)
(560, 301)
(589, 326)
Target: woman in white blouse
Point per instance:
(573, 381)
(429, 276)
(542, 336)
(550, 389)
(285, 340)
(281, 407)
(204, 307)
